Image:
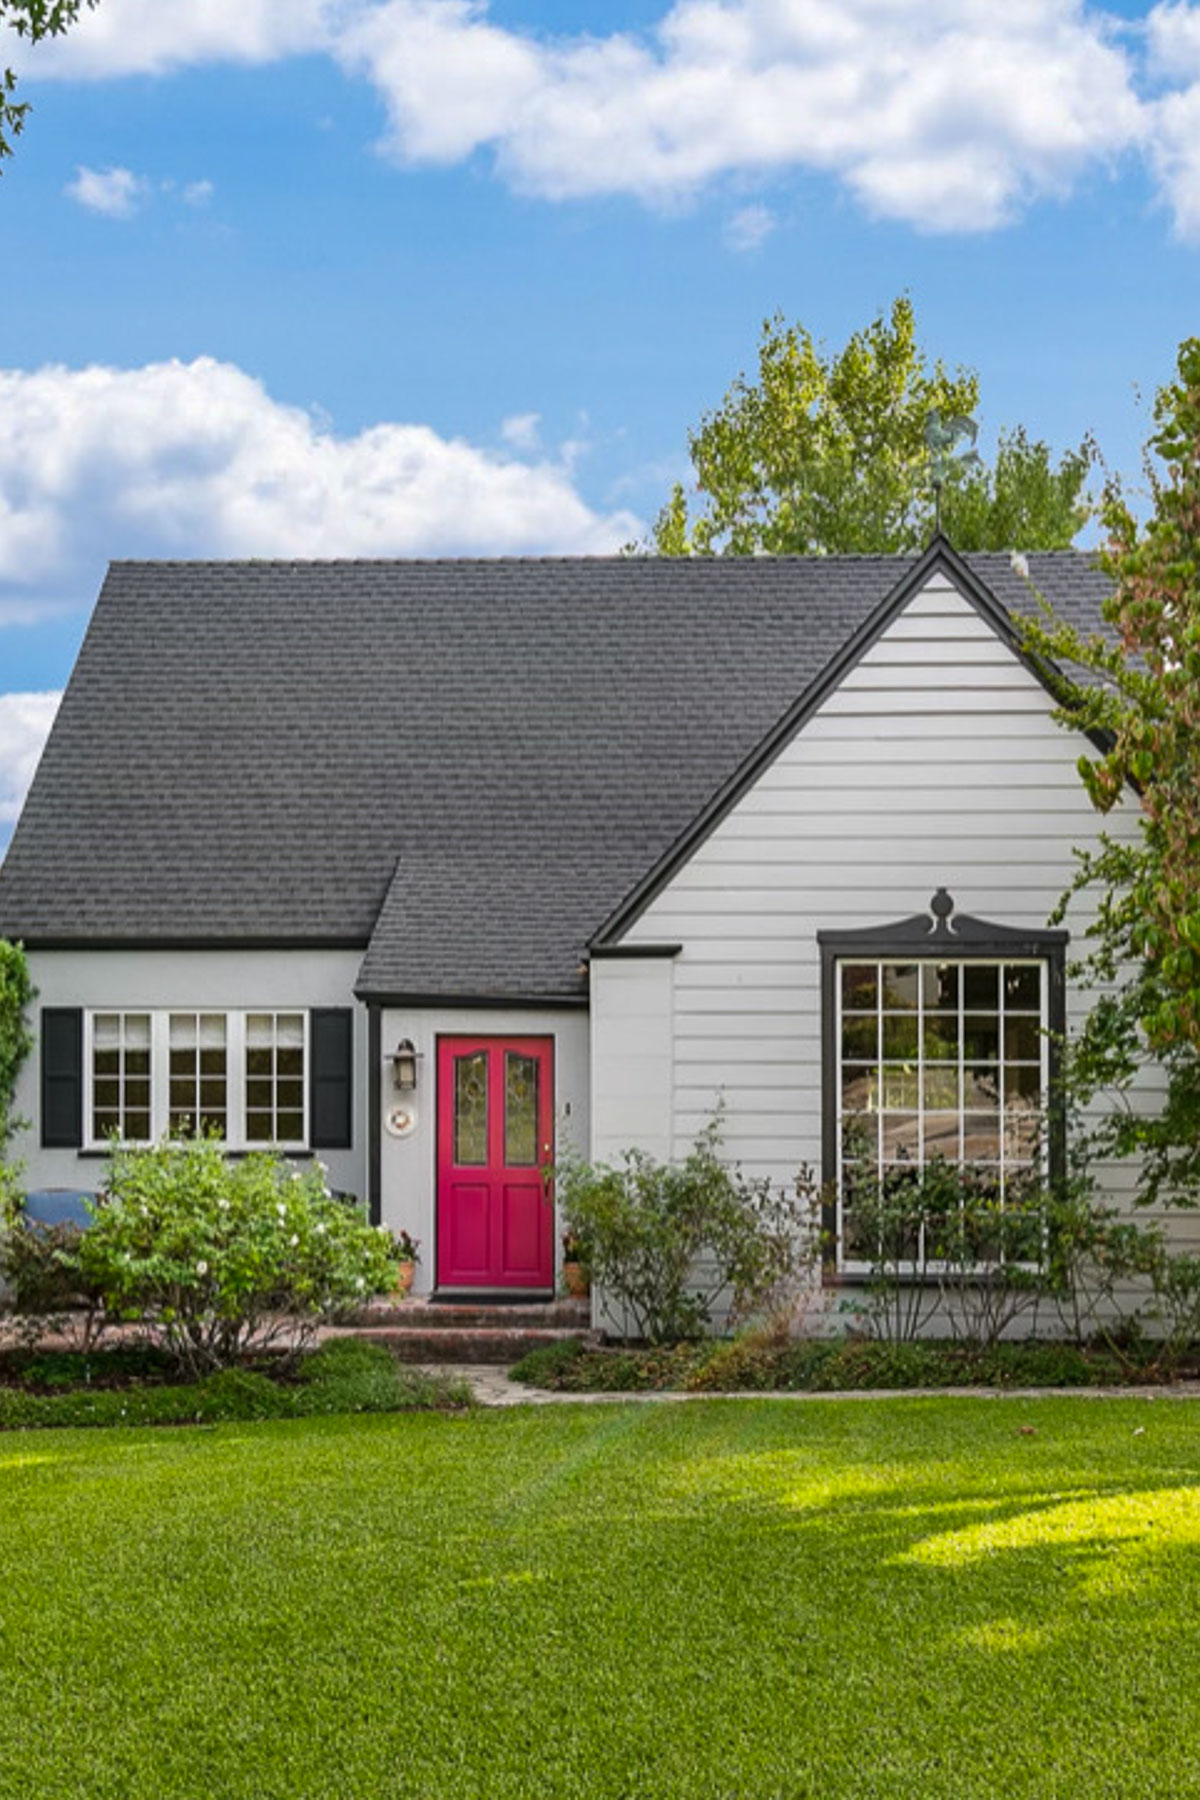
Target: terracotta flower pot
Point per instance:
(575, 1280)
(404, 1277)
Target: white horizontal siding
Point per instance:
(936, 762)
(632, 1056)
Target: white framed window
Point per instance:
(938, 1058)
(119, 1063)
(168, 1072)
(198, 1048)
(276, 1088)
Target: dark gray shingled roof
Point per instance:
(465, 765)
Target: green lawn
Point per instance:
(736, 1599)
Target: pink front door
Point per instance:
(495, 1215)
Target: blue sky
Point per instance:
(376, 277)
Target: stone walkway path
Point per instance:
(491, 1386)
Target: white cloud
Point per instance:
(119, 193)
(950, 114)
(1173, 146)
(25, 721)
(748, 229)
(114, 192)
(197, 459)
(151, 37)
(947, 114)
(521, 431)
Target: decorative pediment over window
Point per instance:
(942, 931)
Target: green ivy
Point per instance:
(16, 1039)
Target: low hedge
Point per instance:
(757, 1363)
(343, 1376)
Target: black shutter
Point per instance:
(331, 1077)
(62, 1077)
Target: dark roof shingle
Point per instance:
(465, 764)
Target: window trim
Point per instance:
(121, 1013)
(160, 1017)
(938, 935)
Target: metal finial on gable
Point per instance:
(941, 906)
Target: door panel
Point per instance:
(495, 1101)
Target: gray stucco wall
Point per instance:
(201, 980)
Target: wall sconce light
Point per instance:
(404, 1059)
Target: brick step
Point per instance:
(568, 1316)
(467, 1344)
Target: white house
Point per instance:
(578, 846)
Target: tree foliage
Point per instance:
(827, 453)
(32, 20)
(1140, 700)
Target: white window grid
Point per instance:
(236, 1135)
(278, 1096)
(198, 1073)
(1004, 1163)
(120, 1090)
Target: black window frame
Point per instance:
(939, 933)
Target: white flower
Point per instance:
(223, 1204)
(295, 1240)
(202, 1268)
(281, 1209)
(323, 1166)
(321, 1229)
(359, 1282)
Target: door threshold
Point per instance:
(478, 1296)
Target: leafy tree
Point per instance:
(33, 20)
(1140, 700)
(827, 453)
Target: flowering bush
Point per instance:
(223, 1258)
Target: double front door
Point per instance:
(495, 1211)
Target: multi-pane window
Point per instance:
(242, 1076)
(275, 1078)
(121, 1076)
(938, 1059)
(199, 1072)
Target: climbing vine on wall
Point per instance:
(16, 1039)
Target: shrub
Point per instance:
(221, 1259)
(669, 1241)
(943, 1235)
(39, 1266)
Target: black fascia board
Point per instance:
(412, 997)
(602, 952)
(195, 941)
(940, 556)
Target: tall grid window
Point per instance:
(121, 1076)
(938, 1058)
(275, 1045)
(199, 1070)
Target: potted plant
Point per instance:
(576, 1273)
(407, 1258)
